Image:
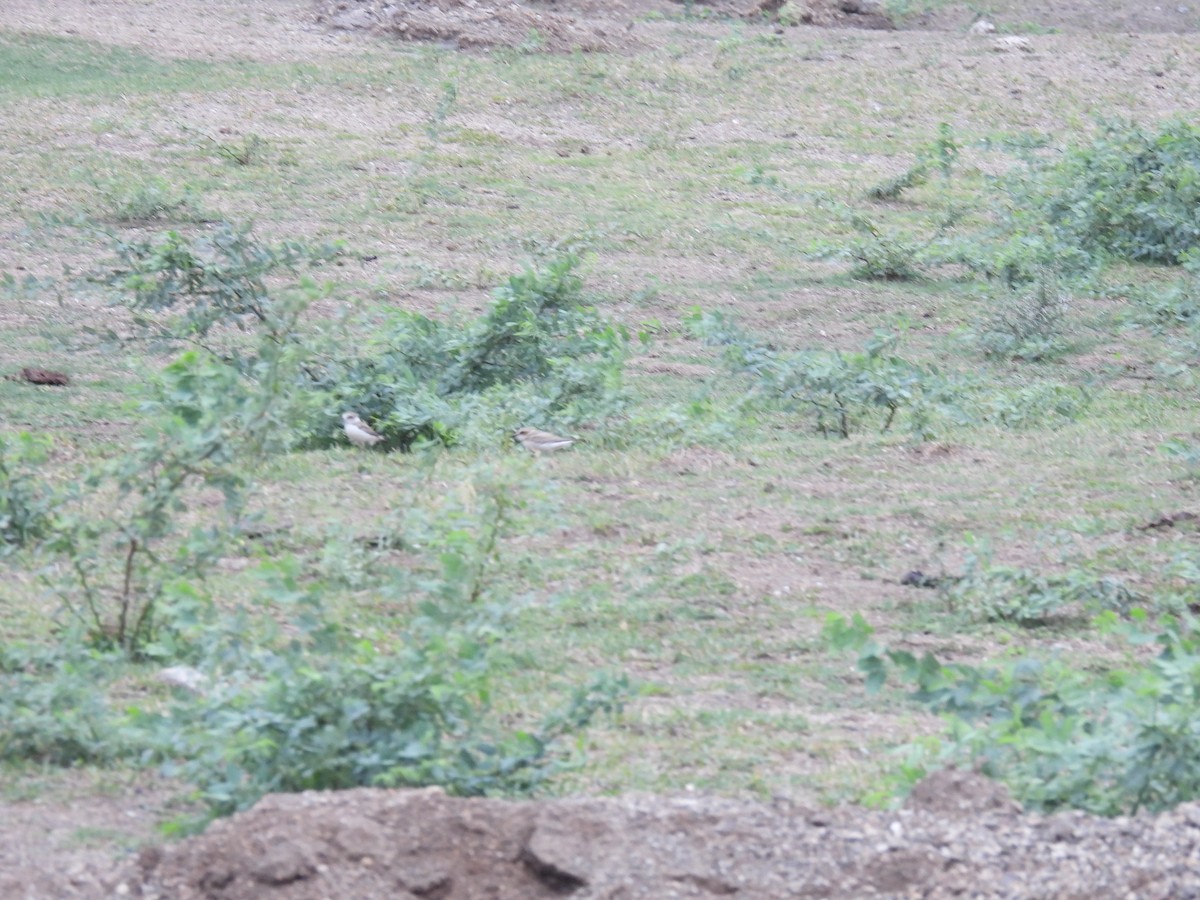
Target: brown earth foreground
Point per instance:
(960, 835)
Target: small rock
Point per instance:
(352, 19)
(282, 864)
(862, 7)
(1011, 42)
(982, 26)
(192, 680)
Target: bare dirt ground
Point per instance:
(959, 835)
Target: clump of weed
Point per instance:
(883, 252)
(251, 150)
(138, 201)
(27, 503)
(991, 592)
(841, 390)
(1027, 323)
(540, 352)
(1034, 405)
(1130, 194)
(1060, 736)
(939, 156)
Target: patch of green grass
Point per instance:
(43, 67)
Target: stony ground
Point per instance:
(958, 836)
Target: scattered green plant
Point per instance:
(1026, 323)
(27, 503)
(998, 593)
(941, 155)
(420, 186)
(881, 253)
(841, 390)
(901, 12)
(1129, 194)
(137, 201)
(1036, 404)
(1169, 305)
(793, 14)
(1110, 743)
(251, 150)
(539, 353)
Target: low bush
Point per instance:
(1027, 322)
(27, 502)
(1022, 595)
(182, 289)
(539, 353)
(1129, 194)
(53, 709)
(292, 699)
(842, 391)
(119, 542)
(1060, 736)
(1031, 405)
(328, 720)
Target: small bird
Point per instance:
(359, 432)
(539, 442)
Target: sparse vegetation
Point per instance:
(836, 380)
(26, 501)
(1116, 743)
(540, 352)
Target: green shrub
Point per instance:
(141, 200)
(1169, 305)
(1129, 194)
(539, 353)
(27, 503)
(53, 711)
(1035, 405)
(1019, 248)
(1113, 743)
(840, 390)
(299, 703)
(1027, 322)
(324, 721)
(941, 154)
(1022, 595)
(119, 544)
(883, 253)
(217, 279)
(295, 699)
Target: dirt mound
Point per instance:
(469, 24)
(960, 835)
(562, 26)
(596, 25)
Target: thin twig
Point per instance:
(133, 547)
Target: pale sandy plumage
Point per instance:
(539, 442)
(359, 432)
